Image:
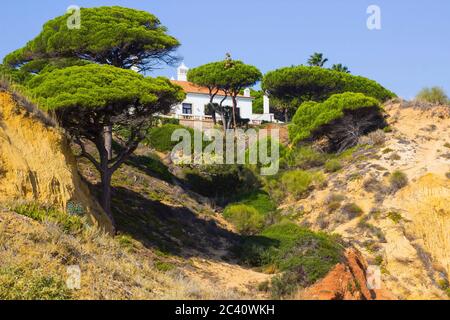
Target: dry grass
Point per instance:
(34, 258)
(375, 138)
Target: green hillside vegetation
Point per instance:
(160, 138)
(302, 255)
(299, 84)
(222, 183)
(312, 117)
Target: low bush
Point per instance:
(160, 138)
(352, 210)
(69, 223)
(289, 247)
(334, 197)
(287, 283)
(334, 201)
(164, 121)
(164, 266)
(259, 200)
(395, 157)
(434, 95)
(224, 183)
(303, 158)
(372, 184)
(395, 216)
(299, 183)
(374, 138)
(152, 165)
(333, 165)
(398, 180)
(333, 206)
(125, 241)
(17, 283)
(246, 219)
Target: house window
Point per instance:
(187, 108)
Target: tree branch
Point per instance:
(86, 155)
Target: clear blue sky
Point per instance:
(412, 50)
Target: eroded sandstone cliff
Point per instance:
(36, 164)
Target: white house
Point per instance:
(193, 107)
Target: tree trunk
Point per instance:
(286, 116)
(224, 122)
(106, 196)
(234, 112)
(213, 111)
(108, 141)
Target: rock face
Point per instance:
(37, 165)
(346, 281)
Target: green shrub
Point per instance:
(152, 165)
(164, 266)
(291, 248)
(160, 138)
(164, 121)
(395, 216)
(333, 165)
(259, 200)
(303, 158)
(246, 219)
(398, 180)
(224, 183)
(298, 183)
(434, 95)
(18, 283)
(125, 241)
(269, 144)
(264, 286)
(312, 116)
(69, 223)
(287, 283)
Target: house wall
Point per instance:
(199, 101)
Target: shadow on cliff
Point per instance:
(174, 230)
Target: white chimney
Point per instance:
(266, 104)
(247, 93)
(182, 72)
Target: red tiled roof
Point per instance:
(190, 87)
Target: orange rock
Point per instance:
(346, 281)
